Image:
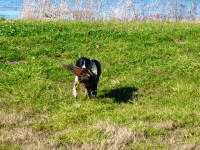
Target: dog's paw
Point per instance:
(74, 93)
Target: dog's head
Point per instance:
(83, 62)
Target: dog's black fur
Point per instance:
(87, 72)
(95, 67)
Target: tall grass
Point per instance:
(105, 10)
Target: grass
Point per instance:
(112, 11)
(148, 94)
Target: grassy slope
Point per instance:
(148, 96)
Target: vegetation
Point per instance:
(114, 11)
(148, 94)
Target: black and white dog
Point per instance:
(87, 71)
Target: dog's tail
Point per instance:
(78, 71)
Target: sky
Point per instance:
(10, 8)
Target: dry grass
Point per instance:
(168, 125)
(17, 131)
(178, 140)
(104, 10)
(27, 138)
(118, 137)
(43, 9)
(115, 137)
(10, 119)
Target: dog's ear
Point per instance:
(78, 71)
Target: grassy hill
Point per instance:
(148, 94)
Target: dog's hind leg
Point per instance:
(76, 82)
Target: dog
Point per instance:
(87, 72)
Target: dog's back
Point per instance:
(96, 68)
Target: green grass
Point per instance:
(148, 93)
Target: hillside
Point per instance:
(148, 95)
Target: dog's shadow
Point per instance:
(123, 94)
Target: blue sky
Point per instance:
(9, 8)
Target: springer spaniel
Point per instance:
(87, 71)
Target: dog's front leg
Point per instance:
(86, 91)
(76, 82)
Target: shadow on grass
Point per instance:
(123, 94)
